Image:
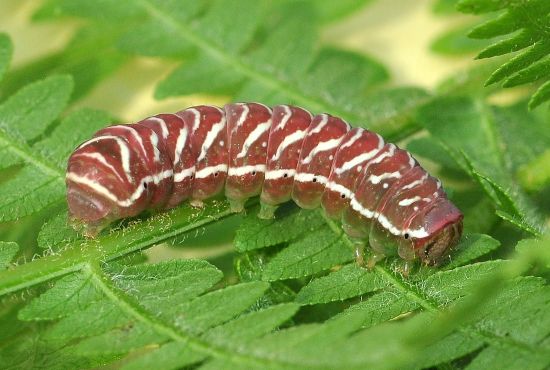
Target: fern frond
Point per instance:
(24, 118)
(188, 334)
(142, 306)
(256, 233)
(473, 247)
(111, 245)
(141, 310)
(8, 250)
(316, 252)
(488, 145)
(56, 233)
(528, 24)
(348, 282)
(398, 296)
(252, 61)
(298, 300)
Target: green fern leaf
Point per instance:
(475, 135)
(231, 335)
(453, 346)
(82, 323)
(8, 250)
(529, 21)
(158, 288)
(172, 355)
(515, 43)
(195, 77)
(330, 11)
(511, 206)
(63, 299)
(350, 281)
(23, 117)
(540, 96)
(251, 62)
(28, 193)
(532, 73)
(122, 294)
(251, 325)
(105, 10)
(380, 307)
(154, 38)
(30, 111)
(56, 232)
(314, 253)
(471, 248)
(432, 149)
(218, 307)
(255, 233)
(464, 344)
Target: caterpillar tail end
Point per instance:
(87, 214)
(267, 211)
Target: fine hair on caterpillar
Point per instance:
(377, 190)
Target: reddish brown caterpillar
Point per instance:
(378, 191)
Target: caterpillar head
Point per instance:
(442, 225)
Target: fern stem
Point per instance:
(407, 289)
(299, 97)
(28, 157)
(111, 246)
(235, 63)
(126, 303)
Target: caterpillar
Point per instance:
(377, 190)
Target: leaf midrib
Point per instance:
(26, 154)
(18, 199)
(538, 27)
(132, 308)
(217, 53)
(297, 262)
(112, 246)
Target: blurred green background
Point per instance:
(398, 33)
